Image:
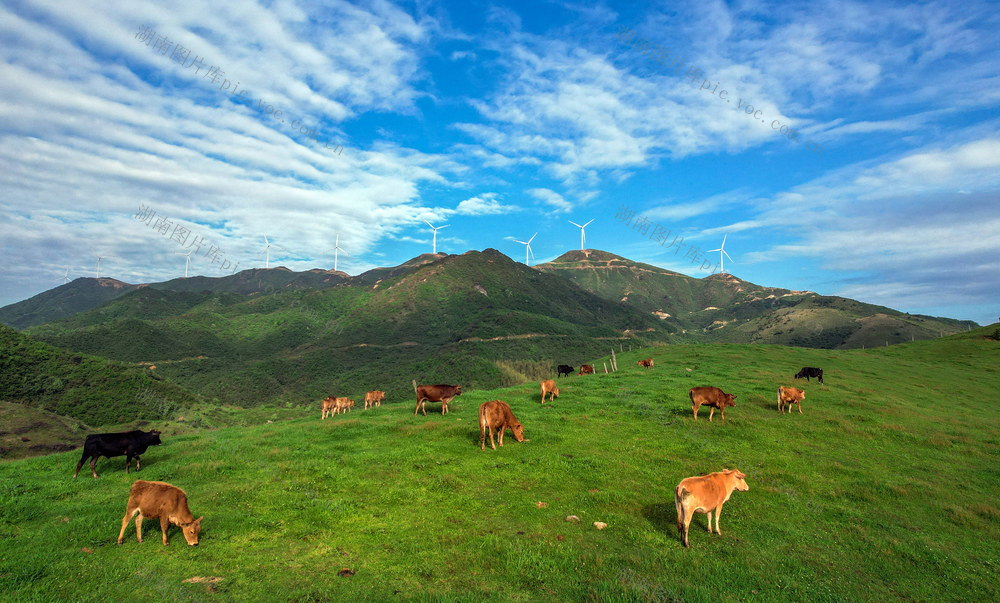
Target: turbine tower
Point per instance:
(336, 251)
(187, 262)
(722, 251)
(583, 237)
(267, 251)
(527, 248)
(99, 266)
(436, 229)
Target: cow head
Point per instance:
(730, 400)
(518, 430)
(741, 483)
(153, 438)
(458, 390)
(799, 374)
(191, 531)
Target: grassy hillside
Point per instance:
(884, 489)
(723, 308)
(89, 389)
(460, 318)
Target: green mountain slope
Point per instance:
(90, 389)
(478, 319)
(846, 502)
(84, 294)
(723, 308)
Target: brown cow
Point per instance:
(549, 387)
(160, 499)
(496, 414)
(712, 397)
(706, 494)
(329, 405)
(585, 369)
(374, 398)
(342, 405)
(648, 363)
(788, 396)
(435, 393)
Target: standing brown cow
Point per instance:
(712, 397)
(435, 393)
(788, 396)
(549, 387)
(648, 363)
(374, 398)
(160, 499)
(342, 405)
(585, 369)
(706, 494)
(329, 405)
(496, 414)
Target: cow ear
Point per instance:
(198, 521)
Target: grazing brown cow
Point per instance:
(648, 363)
(329, 405)
(705, 494)
(435, 393)
(712, 397)
(496, 414)
(374, 398)
(585, 369)
(788, 396)
(549, 387)
(160, 499)
(342, 405)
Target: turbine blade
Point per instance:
(445, 226)
(574, 223)
(531, 252)
(724, 239)
(727, 255)
(428, 223)
(532, 237)
(588, 223)
(521, 242)
(711, 250)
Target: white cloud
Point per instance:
(482, 205)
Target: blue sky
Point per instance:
(502, 120)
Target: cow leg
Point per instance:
(680, 515)
(93, 465)
(722, 411)
(482, 436)
(164, 526)
(138, 527)
(709, 515)
(129, 513)
(83, 460)
(711, 411)
(492, 441)
(695, 409)
(800, 408)
(503, 428)
(687, 526)
(718, 511)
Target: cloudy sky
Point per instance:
(846, 148)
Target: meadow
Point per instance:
(885, 488)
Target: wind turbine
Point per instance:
(722, 251)
(336, 251)
(66, 277)
(436, 229)
(583, 237)
(186, 262)
(527, 248)
(267, 251)
(99, 266)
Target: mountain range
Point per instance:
(273, 336)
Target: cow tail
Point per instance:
(415, 386)
(779, 397)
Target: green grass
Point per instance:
(886, 488)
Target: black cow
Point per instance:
(809, 371)
(130, 443)
(564, 369)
